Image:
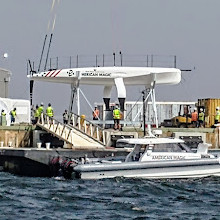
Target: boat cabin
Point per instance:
(154, 149)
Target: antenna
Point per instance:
(120, 57)
(51, 36)
(114, 58)
(42, 52)
(31, 70)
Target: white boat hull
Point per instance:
(151, 170)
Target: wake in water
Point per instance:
(52, 198)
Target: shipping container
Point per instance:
(210, 110)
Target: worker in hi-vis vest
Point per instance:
(3, 113)
(117, 117)
(36, 114)
(13, 114)
(217, 115)
(49, 110)
(41, 108)
(3, 117)
(201, 118)
(194, 117)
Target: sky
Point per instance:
(188, 29)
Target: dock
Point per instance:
(20, 153)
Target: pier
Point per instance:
(20, 154)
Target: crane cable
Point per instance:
(51, 26)
(53, 15)
(116, 40)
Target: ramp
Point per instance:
(79, 133)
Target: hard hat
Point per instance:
(41, 103)
(195, 109)
(217, 108)
(201, 109)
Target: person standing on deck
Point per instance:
(3, 113)
(13, 114)
(95, 114)
(117, 117)
(3, 117)
(194, 117)
(201, 118)
(217, 115)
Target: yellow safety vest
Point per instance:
(50, 111)
(13, 113)
(217, 116)
(36, 113)
(116, 114)
(201, 116)
(3, 114)
(40, 110)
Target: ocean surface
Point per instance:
(51, 198)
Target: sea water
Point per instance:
(119, 198)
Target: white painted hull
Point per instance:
(107, 75)
(171, 170)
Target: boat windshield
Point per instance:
(124, 145)
(170, 147)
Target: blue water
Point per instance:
(49, 198)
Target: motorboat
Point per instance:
(155, 158)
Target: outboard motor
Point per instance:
(62, 167)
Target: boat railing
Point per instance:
(101, 60)
(79, 123)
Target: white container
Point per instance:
(1, 143)
(10, 143)
(39, 145)
(47, 146)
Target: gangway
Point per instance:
(79, 132)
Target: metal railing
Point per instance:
(101, 60)
(66, 132)
(87, 127)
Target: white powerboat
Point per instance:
(155, 158)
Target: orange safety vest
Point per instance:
(194, 116)
(96, 113)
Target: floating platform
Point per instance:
(35, 162)
(23, 158)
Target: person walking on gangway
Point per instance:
(49, 111)
(65, 117)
